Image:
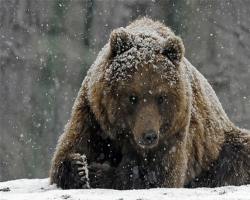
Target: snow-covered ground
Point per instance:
(36, 189)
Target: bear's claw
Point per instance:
(81, 167)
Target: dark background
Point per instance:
(47, 46)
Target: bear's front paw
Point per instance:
(81, 169)
(99, 175)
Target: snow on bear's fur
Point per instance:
(145, 118)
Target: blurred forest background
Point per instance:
(47, 46)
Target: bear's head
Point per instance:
(138, 93)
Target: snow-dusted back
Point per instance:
(209, 96)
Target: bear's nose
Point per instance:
(150, 137)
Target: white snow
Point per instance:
(30, 189)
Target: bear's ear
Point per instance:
(120, 41)
(174, 49)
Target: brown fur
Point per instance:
(151, 121)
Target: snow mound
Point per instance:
(30, 189)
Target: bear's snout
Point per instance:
(146, 127)
(150, 137)
(147, 139)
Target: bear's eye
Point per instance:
(161, 99)
(133, 98)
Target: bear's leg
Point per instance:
(72, 172)
(232, 167)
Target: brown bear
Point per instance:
(145, 118)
